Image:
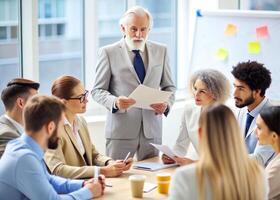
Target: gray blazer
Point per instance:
(116, 76)
(7, 132)
(262, 153)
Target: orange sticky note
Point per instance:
(254, 47)
(222, 54)
(230, 30)
(262, 32)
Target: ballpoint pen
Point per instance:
(96, 170)
(96, 174)
(107, 185)
(128, 154)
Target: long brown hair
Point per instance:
(224, 159)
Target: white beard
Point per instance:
(139, 45)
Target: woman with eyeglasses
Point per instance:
(76, 157)
(268, 133)
(207, 87)
(224, 171)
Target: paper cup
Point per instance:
(137, 184)
(163, 181)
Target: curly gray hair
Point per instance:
(138, 11)
(215, 81)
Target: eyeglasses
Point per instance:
(82, 97)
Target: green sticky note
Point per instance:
(222, 54)
(254, 47)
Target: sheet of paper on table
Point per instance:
(145, 96)
(149, 187)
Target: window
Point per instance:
(60, 41)
(260, 5)
(9, 43)
(109, 14)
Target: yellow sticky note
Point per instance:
(254, 47)
(222, 54)
(230, 30)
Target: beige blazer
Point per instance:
(272, 172)
(67, 161)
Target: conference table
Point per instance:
(120, 189)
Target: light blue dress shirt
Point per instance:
(23, 175)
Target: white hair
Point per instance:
(138, 11)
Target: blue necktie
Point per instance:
(139, 65)
(249, 120)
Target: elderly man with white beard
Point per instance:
(123, 66)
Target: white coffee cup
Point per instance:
(137, 184)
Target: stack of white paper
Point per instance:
(145, 96)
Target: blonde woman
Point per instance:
(224, 170)
(268, 133)
(207, 87)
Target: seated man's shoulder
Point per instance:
(17, 154)
(6, 129)
(18, 148)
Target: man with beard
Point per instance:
(23, 174)
(14, 97)
(251, 79)
(122, 67)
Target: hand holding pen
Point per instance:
(96, 186)
(128, 162)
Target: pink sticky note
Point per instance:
(262, 32)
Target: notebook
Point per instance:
(150, 166)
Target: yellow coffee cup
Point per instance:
(163, 181)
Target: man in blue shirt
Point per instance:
(23, 174)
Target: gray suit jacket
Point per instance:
(262, 153)
(116, 76)
(7, 132)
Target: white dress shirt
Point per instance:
(76, 129)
